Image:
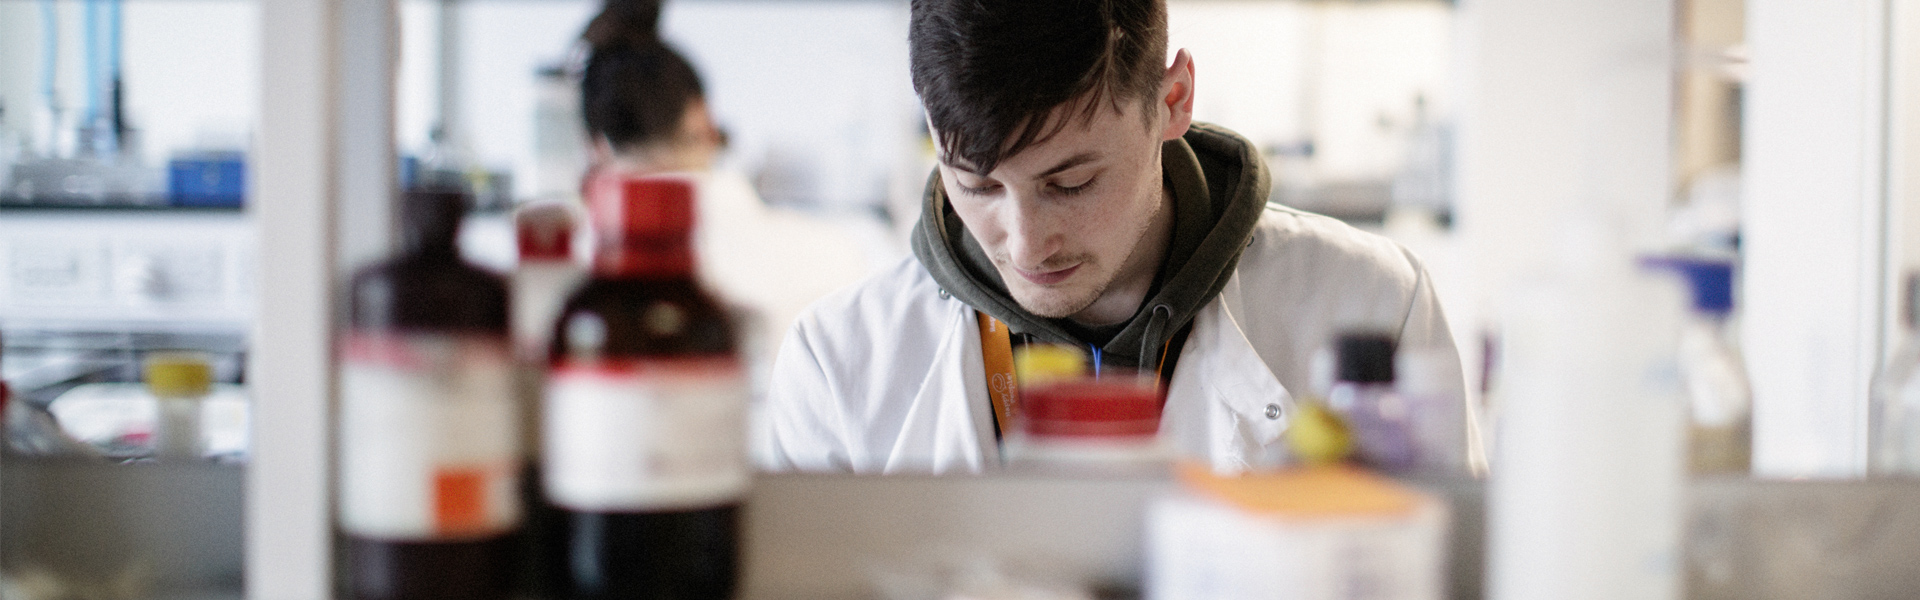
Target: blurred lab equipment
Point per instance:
(1894, 410)
(429, 443)
(208, 178)
(1316, 533)
(98, 500)
(1587, 488)
(89, 295)
(1425, 181)
(86, 157)
(1363, 395)
(1425, 380)
(645, 412)
(544, 277)
(180, 383)
(444, 164)
(1719, 397)
(1746, 539)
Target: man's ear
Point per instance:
(1176, 94)
(599, 150)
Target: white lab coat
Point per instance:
(771, 262)
(887, 377)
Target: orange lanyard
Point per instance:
(1003, 388)
(996, 350)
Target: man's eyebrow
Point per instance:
(960, 166)
(1072, 161)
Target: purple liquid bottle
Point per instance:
(1363, 394)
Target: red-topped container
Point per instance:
(545, 276)
(645, 411)
(1111, 422)
(643, 225)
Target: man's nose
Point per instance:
(1032, 237)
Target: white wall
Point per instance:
(824, 85)
(1813, 223)
(1343, 75)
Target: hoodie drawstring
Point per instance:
(1151, 343)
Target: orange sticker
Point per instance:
(460, 500)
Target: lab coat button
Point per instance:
(944, 295)
(1273, 411)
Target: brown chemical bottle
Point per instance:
(429, 447)
(644, 443)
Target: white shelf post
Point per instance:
(321, 194)
(1814, 229)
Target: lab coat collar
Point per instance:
(1219, 370)
(1223, 400)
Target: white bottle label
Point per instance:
(429, 446)
(642, 435)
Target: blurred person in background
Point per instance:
(1076, 202)
(647, 113)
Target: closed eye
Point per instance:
(1073, 190)
(980, 191)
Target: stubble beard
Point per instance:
(1054, 303)
(1063, 303)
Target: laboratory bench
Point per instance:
(834, 536)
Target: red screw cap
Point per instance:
(651, 206)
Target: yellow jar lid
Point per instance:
(178, 374)
(1042, 363)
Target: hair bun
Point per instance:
(624, 23)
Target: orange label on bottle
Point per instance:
(429, 438)
(460, 501)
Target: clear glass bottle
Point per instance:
(645, 412)
(1894, 421)
(1428, 382)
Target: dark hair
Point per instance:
(635, 89)
(991, 73)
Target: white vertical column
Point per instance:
(1565, 173)
(1903, 164)
(449, 78)
(290, 376)
(322, 195)
(369, 56)
(1565, 110)
(1814, 229)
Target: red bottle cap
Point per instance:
(653, 206)
(644, 225)
(545, 232)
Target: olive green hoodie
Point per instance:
(1219, 185)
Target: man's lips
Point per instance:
(1047, 277)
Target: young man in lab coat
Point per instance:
(1077, 202)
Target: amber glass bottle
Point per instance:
(429, 451)
(644, 438)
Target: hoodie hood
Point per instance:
(1219, 185)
